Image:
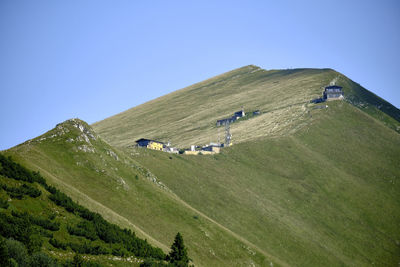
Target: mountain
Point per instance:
(303, 185)
(109, 181)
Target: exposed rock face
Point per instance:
(87, 133)
(86, 148)
(82, 134)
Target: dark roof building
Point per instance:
(236, 115)
(144, 140)
(239, 114)
(152, 144)
(333, 92)
(225, 121)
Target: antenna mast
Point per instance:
(228, 135)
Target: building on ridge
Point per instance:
(237, 115)
(151, 144)
(333, 92)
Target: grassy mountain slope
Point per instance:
(32, 216)
(107, 181)
(301, 186)
(188, 116)
(327, 195)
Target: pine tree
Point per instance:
(178, 255)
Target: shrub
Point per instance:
(86, 248)
(4, 258)
(18, 252)
(58, 244)
(18, 192)
(150, 262)
(119, 250)
(45, 233)
(4, 204)
(45, 223)
(13, 170)
(15, 227)
(84, 229)
(35, 243)
(40, 259)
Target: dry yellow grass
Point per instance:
(188, 116)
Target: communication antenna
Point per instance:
(228, 135)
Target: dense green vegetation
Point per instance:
(26, 233)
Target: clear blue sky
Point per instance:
(93, 59)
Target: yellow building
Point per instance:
(151, 144)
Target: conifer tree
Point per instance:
(178, 255)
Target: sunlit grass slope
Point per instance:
(325, 196)
(188, 116)
(103, 179)
(301, 186)
(39, 224)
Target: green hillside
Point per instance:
(301, 186)
(325, 196)
(41, 226)
(109, 182)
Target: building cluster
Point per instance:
(156, 145)
(332, 92)
(212, 148)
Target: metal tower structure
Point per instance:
(228, 135)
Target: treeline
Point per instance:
(13, 170)
(122, 241)
(95, 227)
